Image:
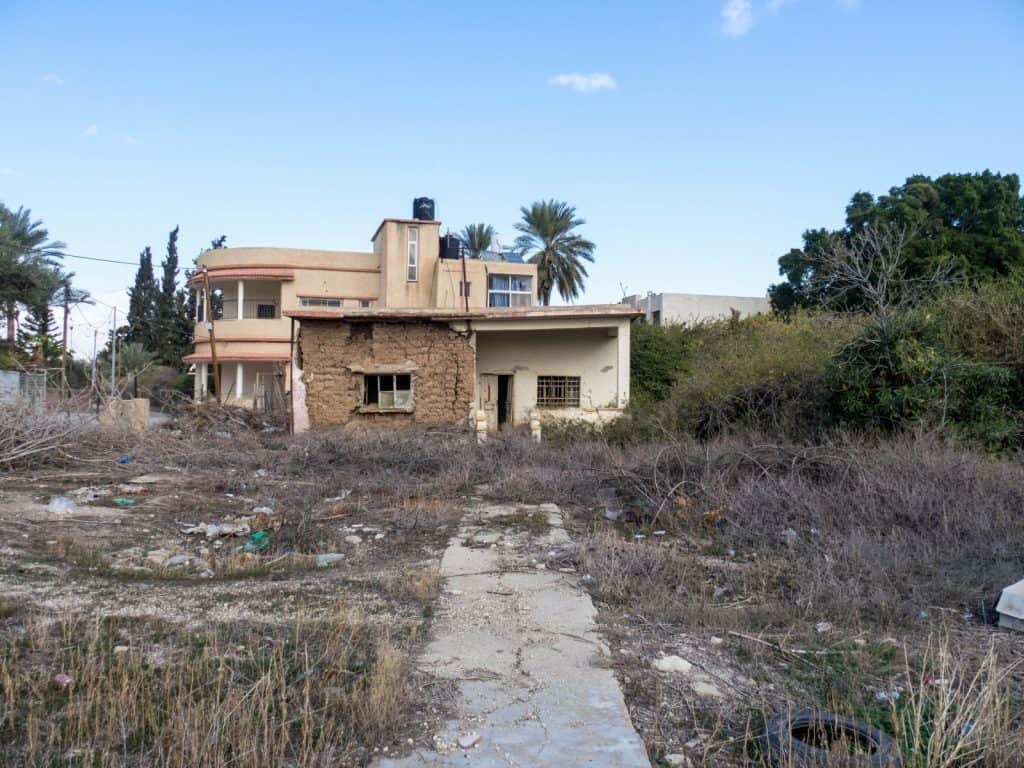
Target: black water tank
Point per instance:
(451, 247)
(423, 208)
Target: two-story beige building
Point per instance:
(410, 332)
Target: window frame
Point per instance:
(321, 302)
(558, 391)
(412, 261)
(375, 384)
(508, 292)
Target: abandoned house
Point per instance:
(411, 332)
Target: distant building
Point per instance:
(692, 308)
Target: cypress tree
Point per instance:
(142, 311)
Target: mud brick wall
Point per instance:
(335, 354)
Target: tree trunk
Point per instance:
(10, 310)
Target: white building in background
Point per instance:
(692, 308)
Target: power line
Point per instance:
(95, 258)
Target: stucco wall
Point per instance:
(691, 308)
(599, 356)
(449, 275)
(335, 354)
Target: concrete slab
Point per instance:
(521, 645)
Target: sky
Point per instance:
(697, 138)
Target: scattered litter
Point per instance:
(122, 501)
(257, 542)
(261, 472)
(62, 681)
(215, 530)
(1011, 607)
(790, 537)
(707, 690)
(716, 641)
(262, 511)
(130, 488)
(61, 505)
(174, 562)
(672, 664)
(119, 649)
(90, 493)
(659, 533)
(639, 536)
(893, 694)
(353, 539)
(328, 559)
(345, 493)
(126, 460)
(823, 627)
(469, 740)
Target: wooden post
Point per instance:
(209, 327)
(64, 343)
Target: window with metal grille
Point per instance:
(266, 311)
(321, 301)
(558, 391)
(365, 303)
(388, 391)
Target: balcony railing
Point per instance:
(252, 309)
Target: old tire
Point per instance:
(794, 740)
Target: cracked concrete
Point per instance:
(520, 642)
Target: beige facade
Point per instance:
(331, 330)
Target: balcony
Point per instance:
(252, 309)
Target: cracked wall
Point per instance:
(335, 355)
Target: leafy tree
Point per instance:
(549, 242)
(37, 335)
(477, 238)
(28, 263)
(975, 221)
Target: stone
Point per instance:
(120, 649)
(469, 740)
(159, 556)
(177, 560)
(790, 537)
(716, 641)
(707, 690)
(678, 760)
(549, 508)
(328, 559)
(823, 627)
(353, 539)
(673, 664)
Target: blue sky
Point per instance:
(698, 138)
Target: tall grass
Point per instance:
(317, 693)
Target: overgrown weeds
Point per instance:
(119, 693)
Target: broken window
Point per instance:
(558, 391)
(509, 290)
(388, 390)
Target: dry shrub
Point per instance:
(318, 693)
(37, 436)
(419, 587)
(881, 530)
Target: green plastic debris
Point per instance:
(258, 542)
(121, 501)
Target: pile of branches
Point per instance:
(34, 436)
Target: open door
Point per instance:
(504, 401)
(489, 399)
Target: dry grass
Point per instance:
(320, 692)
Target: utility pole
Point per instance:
(209, 328)
(113, 357)
(93, 394)
(64, 342)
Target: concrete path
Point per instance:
(518, 638)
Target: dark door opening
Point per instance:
(504, 400)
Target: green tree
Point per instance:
(549, 242)
(142, 299)
(972, 220)
(28, 260)
(173, 324)
(477, 238)
(190, 298)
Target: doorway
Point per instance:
(504, 400)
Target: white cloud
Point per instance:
(737, 17)
(585, 83)
(91, 130)
(774, 6)
(55, 79)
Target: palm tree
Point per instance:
(28, 260)
(549, 242)
(477, 238)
